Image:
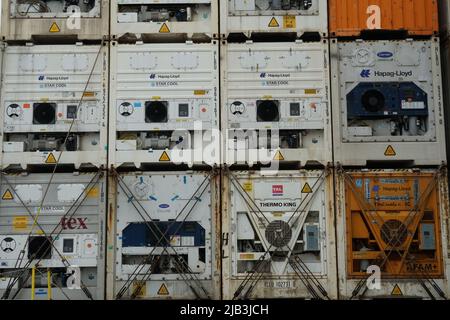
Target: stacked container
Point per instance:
(277, 204)
(53, 123)
(389, 149)
(164, 226)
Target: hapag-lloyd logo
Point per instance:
(275, 75)
(164, 76)
(393, 74)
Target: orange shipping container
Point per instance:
(349, 18)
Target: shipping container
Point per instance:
(51, 234)
(56, 20)
(163, 242)
(54, 105)
(392, 228)
(278, 236)
(445, 55)
(164, 104)
(353, 18)
(444, 18)
(250, 17)
(276, 102)
(141, 20)
(387, 102)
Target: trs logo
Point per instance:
(365, 73)
(277, 190)
(74, 223)
(41, 78)
(153, 76)
(263, 75)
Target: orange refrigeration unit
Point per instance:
(352, 18)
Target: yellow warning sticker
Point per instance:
(92, 192)
(307, 188)
(289, 22)
(396, 291)
(310, 91)
(390, 151)
(20, 223)
(8, 195)
(199, 92)
(140, 288)
(274, 23)
(248, 186)
(278, 156)
(50, 159)
(164, 29)
(163, 291)
(164, 157)
(55, 28)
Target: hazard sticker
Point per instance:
(289, 22)
(390, 151)
(55, 28)
(164, 29)
(20, 223)
(163, 291)
(248, 186)
(274, 23)
(8, 195)
(278, 156)
(50, 159)
(164, 157)
(396, 291)
(307, 188)
(140, 288)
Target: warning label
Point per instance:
(307, 188)
(390, 152)
(54, 28)
(396, 291)
(8, 195)
(50, 159)
(164, 157)
(274, 23)
(278, 156)
(164, 29)
(163, 291)
(289, 22)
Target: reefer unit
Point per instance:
(163, 236)
(353, 18)
(164, 103)
(140, 19)
(25, 20)
(387, 102)
(276, 102)
(392, 229)
(445, 53)
(278, 235)
(54, 105)
(52, 236)
(250, 17)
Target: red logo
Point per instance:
(277, 190)
(74, 223)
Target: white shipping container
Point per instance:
(275, 102)
(47, 91)
(387, 102)
(56, 19)
(164, 236)
(164, 103)
(445, 55)
(56, 230)
(261, 16)
(278, 235)
(192, 18)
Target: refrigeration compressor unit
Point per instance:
(165, 242)
(26, 20)
(54, 105)
(52, 242)
(154, 18)
(166, 103)
(278, 235)
(251, 17)
(392, 234)
(388, 102)
(276, 102)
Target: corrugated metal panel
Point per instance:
(71, 214)
(351, 17)
(386, 219)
